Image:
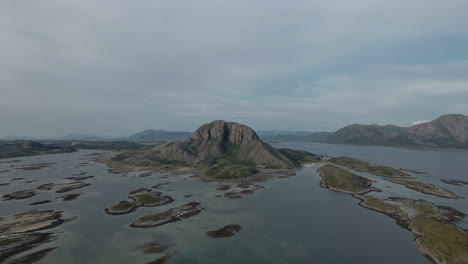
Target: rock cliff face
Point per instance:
(216, 143)
(445, 131)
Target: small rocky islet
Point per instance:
(454, 182)
(48, 187)
(140, 198)
(225, 231)
(19, 233)
(172, 215)
(156, 248)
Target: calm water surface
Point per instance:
(289, 221)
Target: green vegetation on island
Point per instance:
(364, 166)
(338, 179)
(140, 198)
(224, 169)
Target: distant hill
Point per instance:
(85, 137)
(294, 136)
(29, 148)
(14, 137)
(365, 134)
(445, 131)
(159, 135)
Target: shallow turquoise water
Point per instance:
(289, 221)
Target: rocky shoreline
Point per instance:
(19, 233)
(172, 215)
(434, 227)
(454, 182)
(426, 188)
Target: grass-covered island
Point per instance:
(426, 188)
(367, 167)
(338, 179)
(434, 227)
(436, 234)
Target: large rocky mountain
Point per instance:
(219, 140)
(159, 135)
(226, 149)
(445, 131)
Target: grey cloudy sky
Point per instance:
(114, 67)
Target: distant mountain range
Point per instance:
(293, 136)
(152, 135)
(445, 131)
(159, 135)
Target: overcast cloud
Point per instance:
(118, 67)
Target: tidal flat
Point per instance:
(321, 218)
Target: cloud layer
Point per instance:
(116, 67)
